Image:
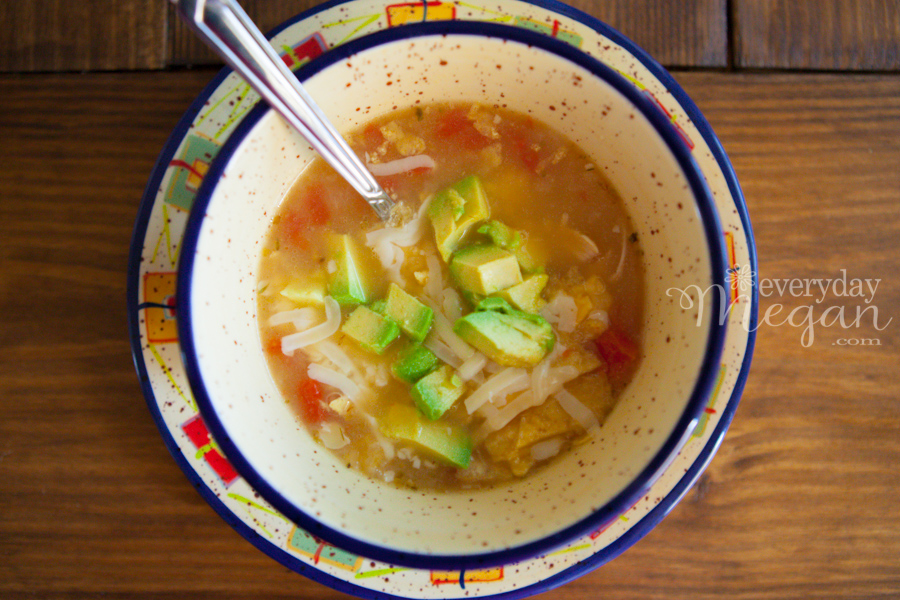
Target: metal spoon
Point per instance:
(228, 30)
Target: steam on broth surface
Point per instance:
(486, 330)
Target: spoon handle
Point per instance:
(225, 27)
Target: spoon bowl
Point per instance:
(230, 32)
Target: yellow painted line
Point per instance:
(379, 572)
(366, 20)
(168, 372)
(256, 505)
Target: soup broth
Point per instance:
(484, 331)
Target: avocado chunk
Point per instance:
(455, 210)
(532, 254)
(447, 443)
(378, 306)
(509, 337)
(373, 331)
(485, 269)
(526, 295)
(414, 363)
(435, 393)
(352, 280)
(413, 317)
(471, 297)
(501, 235)
(307, 291)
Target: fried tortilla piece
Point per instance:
(512, 443)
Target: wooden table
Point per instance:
(801, 500)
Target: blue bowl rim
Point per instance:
(625, 498)
(601, 556)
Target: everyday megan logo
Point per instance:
(806, 316)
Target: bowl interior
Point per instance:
(591, 484)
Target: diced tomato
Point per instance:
(525, 152)
(273, 346)
(372, 137)
(295, 227)
(310, 399)
(456, 127)
(312, 211)
(316, 206)
(388, 182)
(617, 349)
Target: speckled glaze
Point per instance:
(222, 110)
(593, 484)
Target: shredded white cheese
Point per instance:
(562, 312)
(401, 165)
(472, 367)
(313, 335)
(332, 435)
(621, 267)
(507, 381)
(555, 379)
(510, 411)
(435, 285)
(302, 318)
(337, 380)
(578, 411)
(444, 330)
(441, 350)
(546, 449)
(452, 304)
(585, 249)
(338, 357)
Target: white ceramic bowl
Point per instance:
(671, 210)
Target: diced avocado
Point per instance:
(526, 295)
(373, 331)
(485, 269)
(307, 291)
(413, 317)
(532, 255)
(509, 337)
(436, 392)
(454, 210)
(497, 304)
(353, 280)
(414, 363)
(448, 443)
(501, 235)
(471, 297)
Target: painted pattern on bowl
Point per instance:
(157, 243)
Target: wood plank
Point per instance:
(857, 35)
(58, 35)
(676, 33)
(799, 502)
(185, 49)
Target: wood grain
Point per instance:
(849, 35)
(186, 49)
(58, 35)
(675, 32)
(800, 501)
